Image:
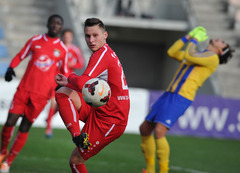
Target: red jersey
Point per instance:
(75, 57)
(104, 64)
(46, 52)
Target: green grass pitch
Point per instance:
(188, 155)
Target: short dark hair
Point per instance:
(53, 16)
(226, 55)
(94, 21)
(67, 30)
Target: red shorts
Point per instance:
(28, 104)
(100, 133)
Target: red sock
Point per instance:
(17, 146)
(7, 133)
(52, 111)
(78, 168)
(68, 113)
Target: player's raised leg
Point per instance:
(68, 103)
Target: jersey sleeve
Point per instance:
(200, 58)
(175, 50)
(77, 82)
(22, 54)
(97, 64)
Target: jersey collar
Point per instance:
(53, 40)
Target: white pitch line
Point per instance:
(187, 170)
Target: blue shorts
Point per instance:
(168, 108)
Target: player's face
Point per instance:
(95, 37)
(218, 43)
(54, 27)
(67, 38)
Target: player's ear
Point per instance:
(105, 34)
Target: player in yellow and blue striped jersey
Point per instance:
(195, 68)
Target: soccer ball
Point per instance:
(96, 92)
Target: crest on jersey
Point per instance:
(56, 53)
(44, 62)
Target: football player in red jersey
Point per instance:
(35, 88)
(103, 124)
(75, 56)
(75, 61)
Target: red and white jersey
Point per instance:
(104, 64)
(75, 57)
(46, 53)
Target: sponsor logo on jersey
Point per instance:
(56, 53)
(38, 47)
(168, 121)
(44, 63)
(122, 97)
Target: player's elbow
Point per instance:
(170, 53)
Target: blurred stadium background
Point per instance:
(140, 32)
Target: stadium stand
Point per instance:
(3, 52)
(213, 14)
(1, 33)
(21, 20)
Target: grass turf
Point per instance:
(188, 155)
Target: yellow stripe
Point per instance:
(169, 86)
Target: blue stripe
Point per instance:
(184, 78)
(184, 39)
(194, 41)
(184, 66)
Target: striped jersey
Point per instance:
(104, 64)
(194, 70)
(45, 55)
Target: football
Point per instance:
(96, 92)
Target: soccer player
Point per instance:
(75, 61)
(35, 88)
(103, 124)
(194, 69)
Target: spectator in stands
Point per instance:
(124, 8)
(194, 69)
(75, 62)
(35, 88)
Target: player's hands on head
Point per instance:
(200, 36)
(196, 29)
(9, 74)
(61, 80)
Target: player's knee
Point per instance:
(76, 158)
(25, 125)
(12, 119)
(146, 128)
(141, 129)
(63, 90)
(160, 130)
